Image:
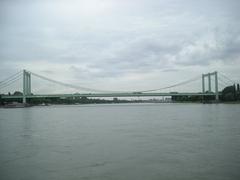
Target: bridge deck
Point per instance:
(108, 95)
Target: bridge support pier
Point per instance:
(26, 85)
(216, 86)
(209, 83)
(203, 83)
(208, 76)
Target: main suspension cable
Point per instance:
(11, 82)
(69, 85)
(10, 77)
(174, 85)
(226, 77)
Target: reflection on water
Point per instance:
(141, 141)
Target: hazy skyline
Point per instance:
(118, 45)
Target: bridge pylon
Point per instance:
(26, 84)
(208, 76)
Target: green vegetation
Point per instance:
(193, 98)
(69, 100)
(74, 100)
(229, 94)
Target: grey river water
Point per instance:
(121, 142)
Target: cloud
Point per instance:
(119, 41)
(221, 46)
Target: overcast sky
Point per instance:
(120, 44)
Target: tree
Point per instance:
(229, 93)
(115, 100)
(17, 93)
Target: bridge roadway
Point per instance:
(132, 94)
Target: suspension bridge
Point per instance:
(25, 76)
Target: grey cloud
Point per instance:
(48, 72)
(143, 55)
(223, 47)
(148, 54)
(139, 37)
(170, 70)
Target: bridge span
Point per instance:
(137, 94)
(27, 86)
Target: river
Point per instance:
(121, 142)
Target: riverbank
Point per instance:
(22, 105)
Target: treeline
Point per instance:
(192, 98)
(68, 100)
(229, 93)
(73, 100)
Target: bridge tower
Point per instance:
(26, 85)
(208, 76)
